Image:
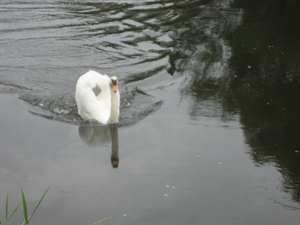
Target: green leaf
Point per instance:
(24, 207)
(6, 208)
(7, 218)
(39, 203)
(15, 210)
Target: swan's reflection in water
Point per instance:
(97, 136)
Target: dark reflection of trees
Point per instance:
(201, 54)
(266, 62)
(253, 65)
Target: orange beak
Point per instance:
(115, 87)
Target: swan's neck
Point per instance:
(115, 105)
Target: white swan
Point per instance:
(104, 108)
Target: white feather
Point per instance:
(101, 107)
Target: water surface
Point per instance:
(196, 139)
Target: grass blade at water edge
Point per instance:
(24, 207)
(6, 208)
(7, 218)
(39, 203)
(15, 210)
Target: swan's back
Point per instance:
(89, 106)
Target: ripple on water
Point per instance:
(51, 43)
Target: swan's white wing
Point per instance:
(89, 106)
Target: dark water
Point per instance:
(209, 130)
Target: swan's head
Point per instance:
(114, 162)
(114, 83)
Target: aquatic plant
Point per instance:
(7, 216)
(25, 212)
